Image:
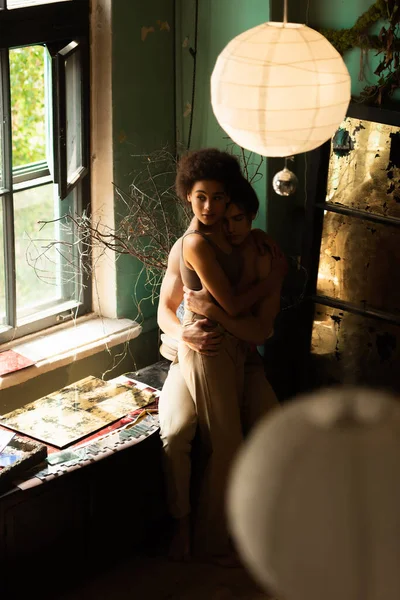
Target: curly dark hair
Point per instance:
(244, 196)
(207, 164)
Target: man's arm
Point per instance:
(265, 243)
(171, 294)
(195, 335)
(255, 328)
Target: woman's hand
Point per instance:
(199, 302)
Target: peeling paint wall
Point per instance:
(143, 114)
(218, 22)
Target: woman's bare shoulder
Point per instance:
(193, 239)
(196, 247)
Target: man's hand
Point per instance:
(263, 240)
(199, 302)
(201, 336)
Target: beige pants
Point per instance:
(258, 397)
(178, 423)
(209, 393)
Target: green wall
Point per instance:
(334, 14)
(218, 22)
(143, 115)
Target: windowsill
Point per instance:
(60, 346)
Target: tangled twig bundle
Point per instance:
(149, 218)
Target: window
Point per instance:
(44, 168)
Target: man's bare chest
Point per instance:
(249, 274)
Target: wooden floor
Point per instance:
(156, 578)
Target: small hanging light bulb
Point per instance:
(285, 182)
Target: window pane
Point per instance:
(74, 115)
(1, 146)
(364, 167)
(28, 106)
(46, 257)
(37, 268)
(359, 262)
(2, 271)
(353, 349)
(25, 3)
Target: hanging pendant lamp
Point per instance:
(280, 89)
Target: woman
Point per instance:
(257, 266)
(206, 179)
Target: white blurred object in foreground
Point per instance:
(314, 497)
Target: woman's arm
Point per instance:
(255, 328)
(201, 257)
(199, 335)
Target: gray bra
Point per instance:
(230, 263)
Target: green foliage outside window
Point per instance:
(28, 108)
(27, 68)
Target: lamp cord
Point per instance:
(284, 12)
(193, 52)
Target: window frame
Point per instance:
(60, 119)
(46, 24)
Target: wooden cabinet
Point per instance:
(59, 531)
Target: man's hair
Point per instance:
(207, 164)
(244, 197)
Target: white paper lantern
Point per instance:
(280, 89)
(314, 498)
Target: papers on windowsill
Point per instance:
(5, 438)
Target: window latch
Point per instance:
(64, 316)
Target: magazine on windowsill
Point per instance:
(11, 361)
(76, 411)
